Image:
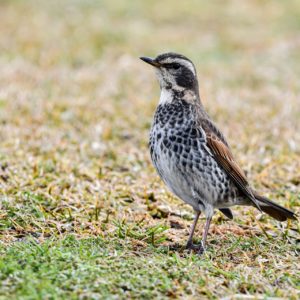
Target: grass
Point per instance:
(83, 213)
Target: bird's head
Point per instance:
(174, 71)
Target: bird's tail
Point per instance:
(273, 209)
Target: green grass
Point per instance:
(83, 213)
(103, 268)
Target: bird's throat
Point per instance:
(168, 96)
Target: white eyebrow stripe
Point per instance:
(181, 61)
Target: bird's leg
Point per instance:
(206, 228)
(190, 244)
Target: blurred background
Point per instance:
(76, 104)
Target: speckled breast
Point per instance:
(180, 155)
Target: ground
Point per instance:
(83, 213)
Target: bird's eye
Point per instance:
(176, 66)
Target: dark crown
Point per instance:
(171, 55)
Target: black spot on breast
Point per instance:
(180, 148)
(158, 136)
(186, 130)
(151, 149)
(184, 141)
(179, 121)
(175, 148)
(200, 168)
(166, 143)
(173, 138)
(193, 132)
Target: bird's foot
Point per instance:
(199, 248)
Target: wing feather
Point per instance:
(224, 157)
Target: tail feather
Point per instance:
(275, 210)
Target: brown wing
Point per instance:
(224, 157)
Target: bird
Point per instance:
(190, 153)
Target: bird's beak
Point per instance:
(150, 61)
